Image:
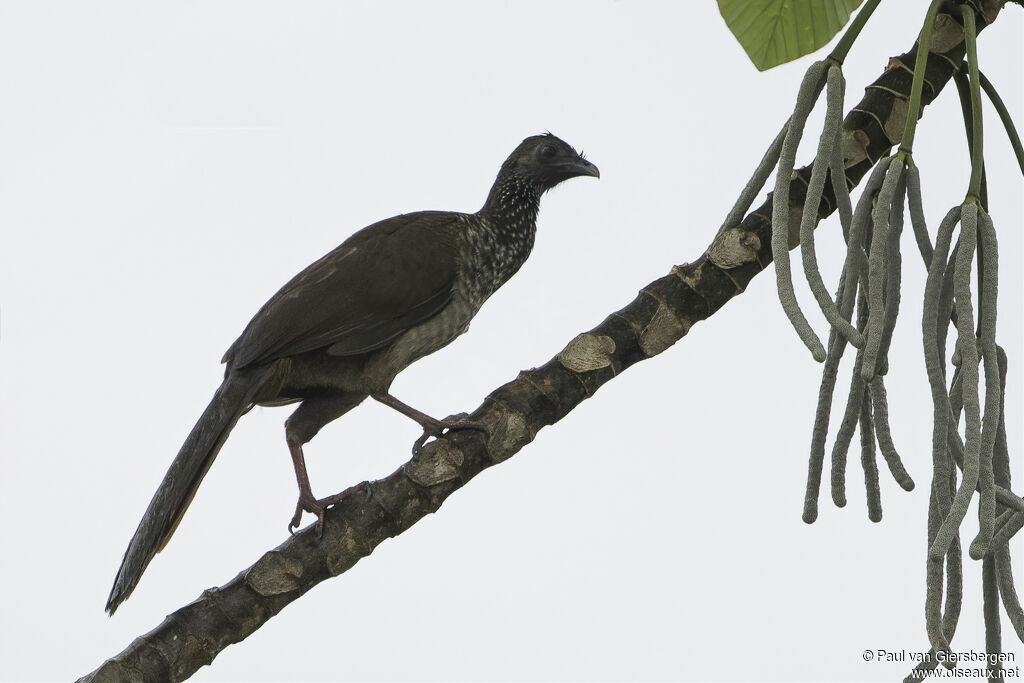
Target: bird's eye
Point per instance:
(547, 152)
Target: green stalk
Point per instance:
(846, 42)
(924, 42)
(1004, 116)
(977, 158)
(963, 89)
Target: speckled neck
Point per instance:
(512, 196)
(501, 235)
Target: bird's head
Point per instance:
(545, 161)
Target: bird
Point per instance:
(343, 328)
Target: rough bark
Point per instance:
(661, 314)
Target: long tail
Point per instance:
(170, 501)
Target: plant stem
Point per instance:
(963, 87)
(1004, 116)
(977, 158)
(913, 109)
(846, 42)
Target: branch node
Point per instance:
(733, 248)
(664, 330)
(509, 433)
(273, 574)
(587, 352)
(437, 462)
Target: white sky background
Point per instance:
(165, 167)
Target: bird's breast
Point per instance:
(425, 338)
(492, 255)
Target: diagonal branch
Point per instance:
(660, 315)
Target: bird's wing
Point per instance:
(380, 282)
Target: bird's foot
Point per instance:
(452, 423)
(307, 503)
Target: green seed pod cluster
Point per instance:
(813, 82)
(874, 282)
(863, 314)
(870, 280)
(982, 456)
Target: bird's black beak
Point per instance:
(573, 166)
(581, 166)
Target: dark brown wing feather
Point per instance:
(380, 282)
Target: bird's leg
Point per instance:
(431, 426)
(307, 502)
(303, 425)
(422, 419)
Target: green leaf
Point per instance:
(774, 32)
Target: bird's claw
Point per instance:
(315, 507)
(449, 424)
(311, 505)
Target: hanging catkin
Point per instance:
(867, 459)
(968, 349)
(893, 274)
(989, 271)
(821, 416)
(825, 161)
(810, 88)
(880, 406)
(851, 416)
(877, 267)
(942, 474)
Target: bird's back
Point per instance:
(380, 282)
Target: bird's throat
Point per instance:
(512, 200)
(501, 238)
